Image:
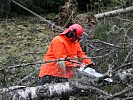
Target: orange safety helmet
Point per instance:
(77, 27)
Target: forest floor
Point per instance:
(22, 40)
(19, 36)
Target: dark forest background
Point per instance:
(53, 6)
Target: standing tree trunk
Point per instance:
(5, 6)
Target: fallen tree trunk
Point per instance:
(48, 91)
(87, 84)
(114, 12)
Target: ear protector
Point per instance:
(70, 34)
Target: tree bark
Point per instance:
(114, 12)
(49, 91)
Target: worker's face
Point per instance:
(75, 38)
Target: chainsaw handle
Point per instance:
(90, 66)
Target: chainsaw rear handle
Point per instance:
(90, 65)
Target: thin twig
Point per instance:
(127, 89)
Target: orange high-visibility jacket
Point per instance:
(62, 47)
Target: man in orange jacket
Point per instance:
(63, 46)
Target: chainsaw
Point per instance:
(88, 71)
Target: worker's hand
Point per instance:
(82, 65)
(92, 64)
